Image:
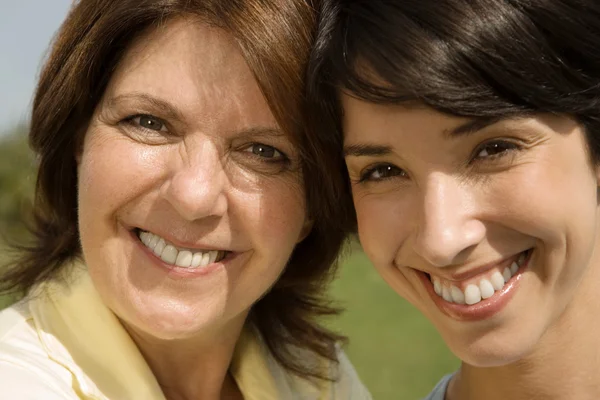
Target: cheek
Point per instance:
(276, 213)
(382, 226)
(112, 174)
(554, 202)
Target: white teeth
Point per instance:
(446, 293)
(145, 238)
(497, 280)
(160, 246)
(152, 241)
(205, 258)
(196, 260)
(472, 295)
(169, 254)
(213, 256)
(184, 259)
(437, 287)
(486, 289)
(181, 258)
(457, 295)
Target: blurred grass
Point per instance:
(395, 350)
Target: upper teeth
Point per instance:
(475, 292)
(180, 257)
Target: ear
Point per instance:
(306, 228)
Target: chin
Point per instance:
(170, 320)
(493, 350)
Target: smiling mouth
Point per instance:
(477, 290)
(179, 257)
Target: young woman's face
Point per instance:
(190, 195)
(488, 230)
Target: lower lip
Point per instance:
(180, 272)
(485, 308)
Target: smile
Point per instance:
(484, 286)
(184, 258)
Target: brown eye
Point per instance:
(381, 172)
(495, 148)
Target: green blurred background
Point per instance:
(395, 350)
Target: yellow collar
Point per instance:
(82, 334)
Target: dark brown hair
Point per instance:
(275, 39)
(482, 59)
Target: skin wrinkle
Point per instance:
(195, 185)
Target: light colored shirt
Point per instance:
(439, 392)
(64, 343)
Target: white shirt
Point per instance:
(64, 343)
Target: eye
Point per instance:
(381, 172)
(147, 122)
(264, 151)
(495, 148)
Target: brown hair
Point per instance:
(275, 39)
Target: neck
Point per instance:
(564, 365)
(193, 368)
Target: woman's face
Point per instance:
(487, 230)
(190, 195)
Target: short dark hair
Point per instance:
(275, 39)
(488, 59)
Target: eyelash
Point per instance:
(365, 176)
(282, 158)
(132, 122)
(509, 147)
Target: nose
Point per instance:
(197, 185)
(448, 228)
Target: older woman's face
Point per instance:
(190, 196)
(489, 232)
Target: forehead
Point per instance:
(364, 120)
(197, 67)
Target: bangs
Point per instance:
(484, 58)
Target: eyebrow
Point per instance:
(171, 112)
(363, 149)
(471, 127)
(262, 132)
(167, 109)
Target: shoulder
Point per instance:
(347, 384)
(26, 370)
(259, 375)
(439, 391)
(344, 383)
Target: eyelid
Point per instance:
(250, 145)
(515, 146)
(282, 160)
(130, 119)
(367, 171)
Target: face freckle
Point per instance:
(191, 178)
(455, 209)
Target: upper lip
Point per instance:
(183, 244)
(464, 273)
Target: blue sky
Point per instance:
(26, 29)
